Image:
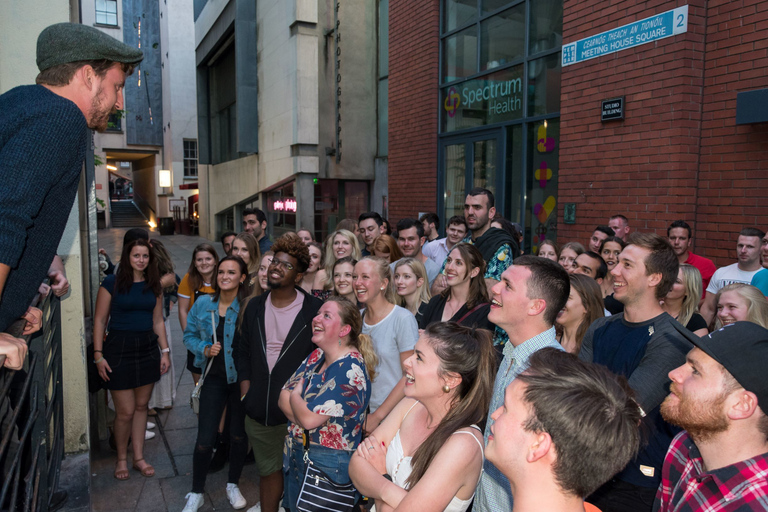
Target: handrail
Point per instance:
(32, 435)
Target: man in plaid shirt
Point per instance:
(720, 397)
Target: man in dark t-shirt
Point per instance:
(642, 344)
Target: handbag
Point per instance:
(320, 493)
(194, 398)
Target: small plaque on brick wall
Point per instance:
(612, 110)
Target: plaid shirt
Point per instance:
(686, 487)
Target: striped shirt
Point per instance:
(493, 491)
(687, 487)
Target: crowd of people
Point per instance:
(385, 362)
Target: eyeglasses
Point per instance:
(280, 263)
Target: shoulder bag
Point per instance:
(321, 494)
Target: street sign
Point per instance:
(651, 29)
(612, 110)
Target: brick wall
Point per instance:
(414, 40)
(645, 166)
(733, 173)
(678, 154)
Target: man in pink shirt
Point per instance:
(275, 337)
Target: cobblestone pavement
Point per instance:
(170, 452)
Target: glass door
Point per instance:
(467, 162)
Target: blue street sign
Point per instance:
(651, 29)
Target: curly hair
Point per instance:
(292, 245)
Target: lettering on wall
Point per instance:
(337, 69)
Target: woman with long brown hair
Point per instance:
(245, 247)
(130, 347)
(450, 381)
(584, 306)
(466, 299)
(196, 282)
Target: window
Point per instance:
(106, 12)
(190, 158)
(223, 106)
(115, 122)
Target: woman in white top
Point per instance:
(449, 383)
(392, 329)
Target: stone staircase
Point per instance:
(125, 214)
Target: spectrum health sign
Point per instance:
(492, 99)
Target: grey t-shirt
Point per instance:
(433, 269)
(396, 333)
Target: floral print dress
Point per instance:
(341, 392)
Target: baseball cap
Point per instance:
(72, 42)
(742, 349)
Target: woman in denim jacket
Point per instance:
(220, 388)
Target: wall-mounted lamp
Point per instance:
(165, 178)
(111, 167)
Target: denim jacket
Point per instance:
(199, 333)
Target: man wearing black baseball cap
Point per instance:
(44, 134)
(720, 397)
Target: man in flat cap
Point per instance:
(720, 397)
(44, 134)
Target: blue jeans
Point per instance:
(334, 463)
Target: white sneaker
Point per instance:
(235, 497)
(148, 435)
(194, 502)
(150, 425)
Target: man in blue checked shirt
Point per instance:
(525, 304)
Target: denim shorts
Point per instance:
(334, 463)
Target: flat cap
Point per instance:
(742, 349)
(72, 42)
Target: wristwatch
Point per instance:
(165, 350)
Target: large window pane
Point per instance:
(484, 165)
(502, 38)
(544, 85)
(493, 5)
(458, 13)
(514, 174)
(455, 172)
(494, 98)
(546, 27)
(541, 195)
(460, 55)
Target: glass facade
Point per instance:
(500, 106)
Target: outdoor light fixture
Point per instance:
(165, 178)
(111, 167)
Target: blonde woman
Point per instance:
(339, 244)
(682, 301)
(740, 302)
(394, 332)
(411, 284)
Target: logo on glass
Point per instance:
(452, 102)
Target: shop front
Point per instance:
(500, 107)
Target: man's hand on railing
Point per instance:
(34, 318)
(14, 350)
(59, 283)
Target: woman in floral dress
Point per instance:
(328, 395)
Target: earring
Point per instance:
(382, 289)
(446, 389)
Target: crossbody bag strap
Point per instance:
(210, 360)
(470, 312)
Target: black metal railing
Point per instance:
(31, 419)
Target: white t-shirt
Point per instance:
(729, 275)
(396, 333)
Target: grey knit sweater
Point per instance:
(43, 139)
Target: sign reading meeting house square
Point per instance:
(651, 29)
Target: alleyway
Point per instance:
(170, 452)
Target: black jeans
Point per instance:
(216, 393)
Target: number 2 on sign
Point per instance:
(680, 20)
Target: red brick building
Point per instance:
(478, 96)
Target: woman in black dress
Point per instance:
(465, 301)
(130, 347)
